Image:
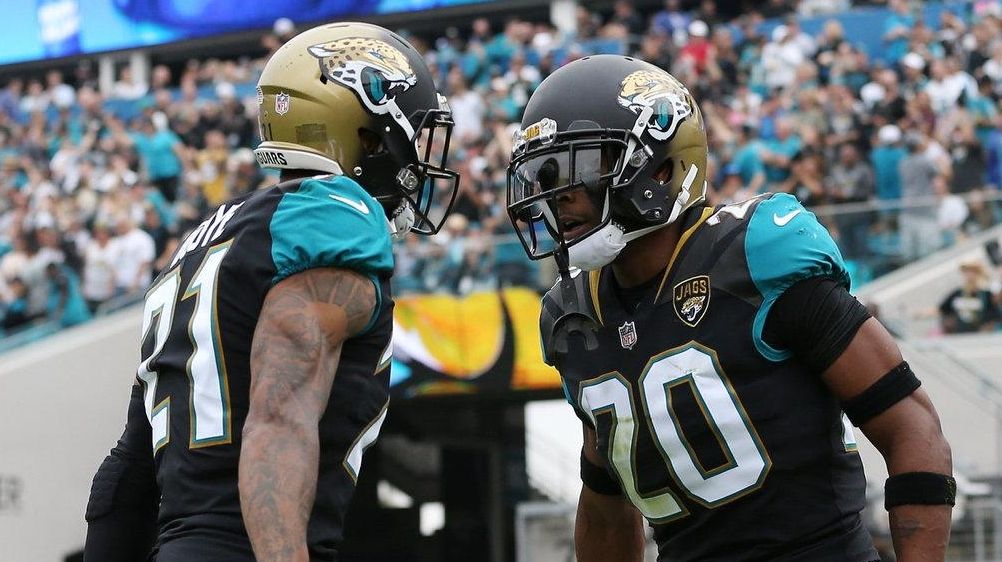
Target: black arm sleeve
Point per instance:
(122, 510)
(815, 319)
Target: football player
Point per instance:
(714, 355)
(266, 341)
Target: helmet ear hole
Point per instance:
(371, 142)
(664, 172)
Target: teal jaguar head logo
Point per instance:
(663, 94)
(373, 69)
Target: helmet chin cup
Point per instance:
(598, 249)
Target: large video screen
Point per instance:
(42, 29)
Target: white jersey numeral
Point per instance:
(747, 460)
(208, 395)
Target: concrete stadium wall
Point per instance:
(62, 405)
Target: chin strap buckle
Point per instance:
(408, 179)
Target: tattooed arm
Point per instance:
(907, 434)
(297, 345)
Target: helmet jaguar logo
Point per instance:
(374, 70)
(660, 92)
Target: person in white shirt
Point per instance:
(951, 211)
(127, 87)
(99, 267)
(780, 58)
(134, 257)
(468, 108)
(947, 83)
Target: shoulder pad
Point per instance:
(329, 222)
(565, 311)
(785, 243)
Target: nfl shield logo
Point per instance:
(628, 335)
(282, 103)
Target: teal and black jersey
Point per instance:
(729, 446)
(199, 320)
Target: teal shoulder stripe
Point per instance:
(784, 244)
(330, 222)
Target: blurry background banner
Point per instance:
(486, 342)
(41, 29)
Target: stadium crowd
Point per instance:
(901, 153)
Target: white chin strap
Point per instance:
(604, 245)
(597, 250)
(401, 222)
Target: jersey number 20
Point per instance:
(747, 461)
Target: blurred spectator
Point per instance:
(913, 71)
(947, 82)
(671, 21)
(13, 262)
(993, 154)
(128, 87)
(780, 58)
(14, 308)
(951, 210)
(967, 159)
(777, 154)
(896, 29)
(161, 153)
(806, 179)
(210, 163)
(802, 40)
(970, 308)
(851, 181)
(983, 212)
(919, 231)
(468, 108)
(134, 257)
(624, 15)
(732, 187)
(99, 268)
(65, 305)
(983, 111)
(707, 12)
(748, 161)
(698, 52)
(61, 94)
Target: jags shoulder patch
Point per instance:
(691, 299)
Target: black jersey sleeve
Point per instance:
(122, 509)
(816, 319)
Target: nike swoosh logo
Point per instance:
(357, 205)
(779, 220)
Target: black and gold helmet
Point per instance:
(355, 99)
(627, 132)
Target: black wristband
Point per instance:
(598, 478)
(890, 389)
(919, 488)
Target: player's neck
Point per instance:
(646, 256)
